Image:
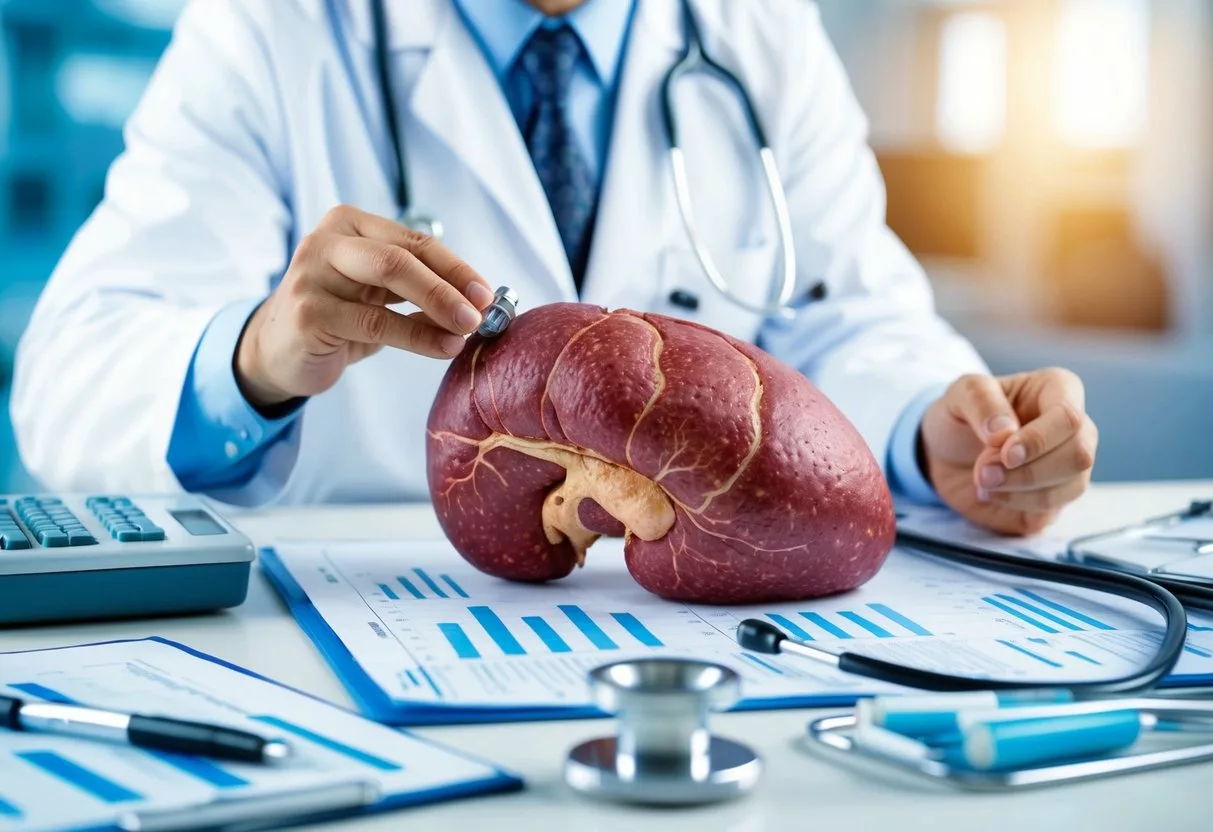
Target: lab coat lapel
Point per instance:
(460, 100)
(636, 212)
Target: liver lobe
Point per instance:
(731, 477)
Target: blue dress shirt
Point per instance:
(219, 440)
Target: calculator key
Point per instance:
(50, 501)
(121, 501)
(155, 533)
(13, 540)
(128, 534)
(80, 538)
(52, 540)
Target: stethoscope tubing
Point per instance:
(1130, 587)
(694, 58)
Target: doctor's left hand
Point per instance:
(1009, 452)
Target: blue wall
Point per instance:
(70, 72)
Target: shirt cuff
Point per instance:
(219, 437)
(906, 478)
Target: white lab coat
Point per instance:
(264, 114)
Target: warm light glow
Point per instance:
(971, 111)
(1101, 72)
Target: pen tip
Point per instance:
(275, 751)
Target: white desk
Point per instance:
(799, 790)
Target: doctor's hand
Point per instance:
(1008, 453)
(330, 310)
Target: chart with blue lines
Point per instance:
(86, 778)
(428, 628)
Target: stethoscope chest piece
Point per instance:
(422, 224)
(663, 752)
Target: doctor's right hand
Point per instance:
(330, 309)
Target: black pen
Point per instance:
(152, 732)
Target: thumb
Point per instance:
(980, 402)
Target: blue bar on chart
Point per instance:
(43, 692)
(430, 582)
(1196, 651)
(1075, 614)
(1009, 610)
(791, 626)
(331, 744)
(201, 769)
(411, 587)
(897, 618)
(412, 677)
(85, 780)
(451, 583)
(1083, 657)
(497, 631)
(9, 810)
(592, 631)
(637, 630)
(765, 665)
(389, 592)
(1038, 611)
(1025, 651)
(459, 640)
(823, 623)
(545, 632)
(1196, 628)
(871, 626)
(1038, 640)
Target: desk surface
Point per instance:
(798, 788)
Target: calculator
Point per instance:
(91, 556)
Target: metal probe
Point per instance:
(500, 314)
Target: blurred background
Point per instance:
(1049, 161)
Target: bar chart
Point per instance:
(421, 586)
(488, 627)
(876, 619)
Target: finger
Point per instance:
(1056, 425)
(376, 263)
(363, 323)
(1044, 499)
(429, 250)
(1072, 458)
(979, 402)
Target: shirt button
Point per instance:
(244, 435)
(230, 449)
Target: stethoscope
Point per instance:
(694, 58)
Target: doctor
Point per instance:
(243, 316)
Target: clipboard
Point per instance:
(347, 765)
(1175, 547)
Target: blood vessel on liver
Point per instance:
(733, 479)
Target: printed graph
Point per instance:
(874, 620)
(569, 629)
(106, 788)
(1042, 614)
(419, 585)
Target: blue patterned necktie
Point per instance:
(548, 61)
